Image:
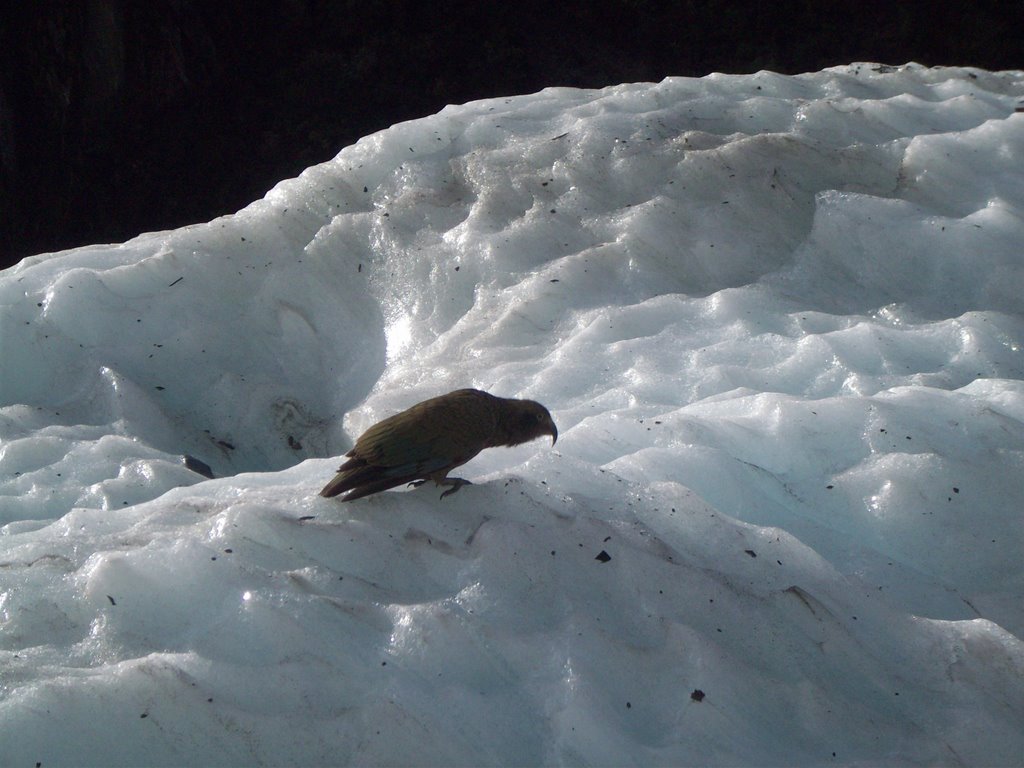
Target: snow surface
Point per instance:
(778, 321)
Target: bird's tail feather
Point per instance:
(339, 484)
(364, 480)
(378, 485)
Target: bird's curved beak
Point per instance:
(553, 432)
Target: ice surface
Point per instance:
(779, 323)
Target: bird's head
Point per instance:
(529, 420)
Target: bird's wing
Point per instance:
(443, 432)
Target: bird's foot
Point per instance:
(455, 483)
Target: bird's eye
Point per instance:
(540, 417)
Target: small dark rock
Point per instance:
(197, 466)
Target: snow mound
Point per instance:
(778, 321)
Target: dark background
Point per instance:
(119, 116)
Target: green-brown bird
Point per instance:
(429, 440)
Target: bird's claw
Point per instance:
(455, 483)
